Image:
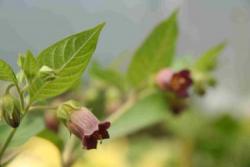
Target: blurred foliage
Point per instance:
(144, 131)
(156, 52)
(145, 112)
(221, 141)
(108, 75)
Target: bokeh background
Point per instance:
(34, 24)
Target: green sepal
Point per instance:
(65, 109)
(11, 111)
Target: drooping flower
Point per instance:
(87, 127)
(10, 110)
(176, 82)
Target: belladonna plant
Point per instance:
(83, 123)
(57, 69)
(87, 127)
(51, 73)
(175, 82)
(176, 85)
(10, 110)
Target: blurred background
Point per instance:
(34, 24)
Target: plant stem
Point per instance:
(12, 133)
(7, 142)
(67, 155)
(8, 88)
(187, 150)
(122, 109)
(43, 108)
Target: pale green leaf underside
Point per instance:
(6, 72)
(68, 57)
(156, 52)
(146, 112)
(208, 60)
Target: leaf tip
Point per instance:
(173, 16)
(100, 26)
(28, 51)
(224, 44)
(176, 11)
(221, 46)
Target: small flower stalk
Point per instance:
(88, 128)
(175, 82)
(10, 110)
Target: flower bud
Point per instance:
(87, 127)
(200, 88)
(176, 82)
(202, 81)
(163, 78)
(47, 73)
(212, 81)
(51, 121)
(10, 110)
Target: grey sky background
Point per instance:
(34, 24)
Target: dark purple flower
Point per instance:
(88, 128)
(177, 82)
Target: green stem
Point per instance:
(8, 88)
(67, 155)
(25, 88)
(43, 108)
(113, 117)
(187, 150)
(7, 142)
(12, 133)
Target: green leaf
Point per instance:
(6, 72)
(29, 65)
(69, 58)
(148, 111)
(109, 76)
(156, 52)
(207, 62)
(28, 128)
(189, 124)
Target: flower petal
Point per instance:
(90, 142)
